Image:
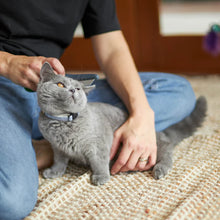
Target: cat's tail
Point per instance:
(188, 125)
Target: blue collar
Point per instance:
(67, 117)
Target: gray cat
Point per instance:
(83, 132)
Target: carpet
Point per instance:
(191, 190)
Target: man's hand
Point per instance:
(138, 139)
(25, 71)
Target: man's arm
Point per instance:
(137, 134)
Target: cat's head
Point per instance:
(58, 94)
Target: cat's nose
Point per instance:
(72, 90)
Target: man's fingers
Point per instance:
(30, 79)
(30, 85)
(36, 66)
(115, 145)
(151, 162)
(121, 161)
(56, 65)
(142, 162)
(132, 161)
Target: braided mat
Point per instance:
(191, 190)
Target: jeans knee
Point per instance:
(170, 96)
(179, 102)
(17, 201)
(187, 98)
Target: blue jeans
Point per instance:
(170, 96)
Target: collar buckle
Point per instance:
(72, 116)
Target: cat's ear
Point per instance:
(46, 72)
(88, 89)
(87, 85)
(87, 82)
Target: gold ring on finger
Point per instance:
(142, 159)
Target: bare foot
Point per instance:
(44, 153)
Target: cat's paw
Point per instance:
(159, 171)
(50, 173)
(100, 179)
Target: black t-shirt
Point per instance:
(46, 27)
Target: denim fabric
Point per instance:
(170, 96)
(18, 167)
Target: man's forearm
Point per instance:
(121, 73)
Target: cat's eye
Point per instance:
(61, 85)
(77, 88)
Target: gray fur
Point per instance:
(87, 139)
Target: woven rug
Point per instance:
(191, 190)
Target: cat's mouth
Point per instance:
(73, 99)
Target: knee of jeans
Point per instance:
(17, 201)
(186, 100)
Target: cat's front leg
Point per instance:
(163, 165)
(59, 166)
(164, 156)
(100, 169)
(162, 168)
(100, 177)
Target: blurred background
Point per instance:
(163, 35)
(188, 17)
